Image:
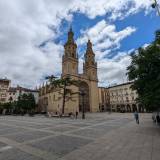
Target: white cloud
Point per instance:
(111, 71)
(105, 40)
(25, 24)
(145, 45)
(116, 8)
(104, 37)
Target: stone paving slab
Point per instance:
(101, 136)
(105, 127)
(2, 127)
(11, 131)
(62, 128)
(80, 124)
(16, 154)
(2, 145)
(60, 145)
(123, 145)
(89, 132)
(27, 136)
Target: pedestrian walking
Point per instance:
(136, 115)
(76, 114)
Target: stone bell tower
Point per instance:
(90, 71)
(70, 58)
(90, 66)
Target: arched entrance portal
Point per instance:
(85, 88)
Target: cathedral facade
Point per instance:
(51, 100)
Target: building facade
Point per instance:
(11, 94)
(4, 87)
(104, 99)
(121, 98)
(14, 92)
(51, 100)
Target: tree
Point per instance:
(7, 106)
(144, 70)
(19, 103)
(26, 103)
(31, 102)
(63, 83)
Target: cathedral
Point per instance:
(51, 100)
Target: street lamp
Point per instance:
(155, 5)
(82, 93)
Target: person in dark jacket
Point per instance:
(136, 115)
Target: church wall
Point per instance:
(72, 105)
(54, 102)
(94, 97)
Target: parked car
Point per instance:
(156, 116)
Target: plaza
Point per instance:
(101, 136)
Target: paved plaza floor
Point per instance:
(101, 136)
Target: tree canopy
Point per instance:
(26, 102)
(144, 70)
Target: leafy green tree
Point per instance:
(144, 70)
(18, 106)
(26, 103)
(14, 105)
(31, 102)
(7, 106)
(63, 83)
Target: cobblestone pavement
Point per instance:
(101, 136)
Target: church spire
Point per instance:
(70, 46)
(89, 56)
(70, 36)
(70, 58)
(89, 48)
(90, 65)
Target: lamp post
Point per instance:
(82, 93)
(155, 5)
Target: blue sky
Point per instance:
(145, 24)
(33, 32)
